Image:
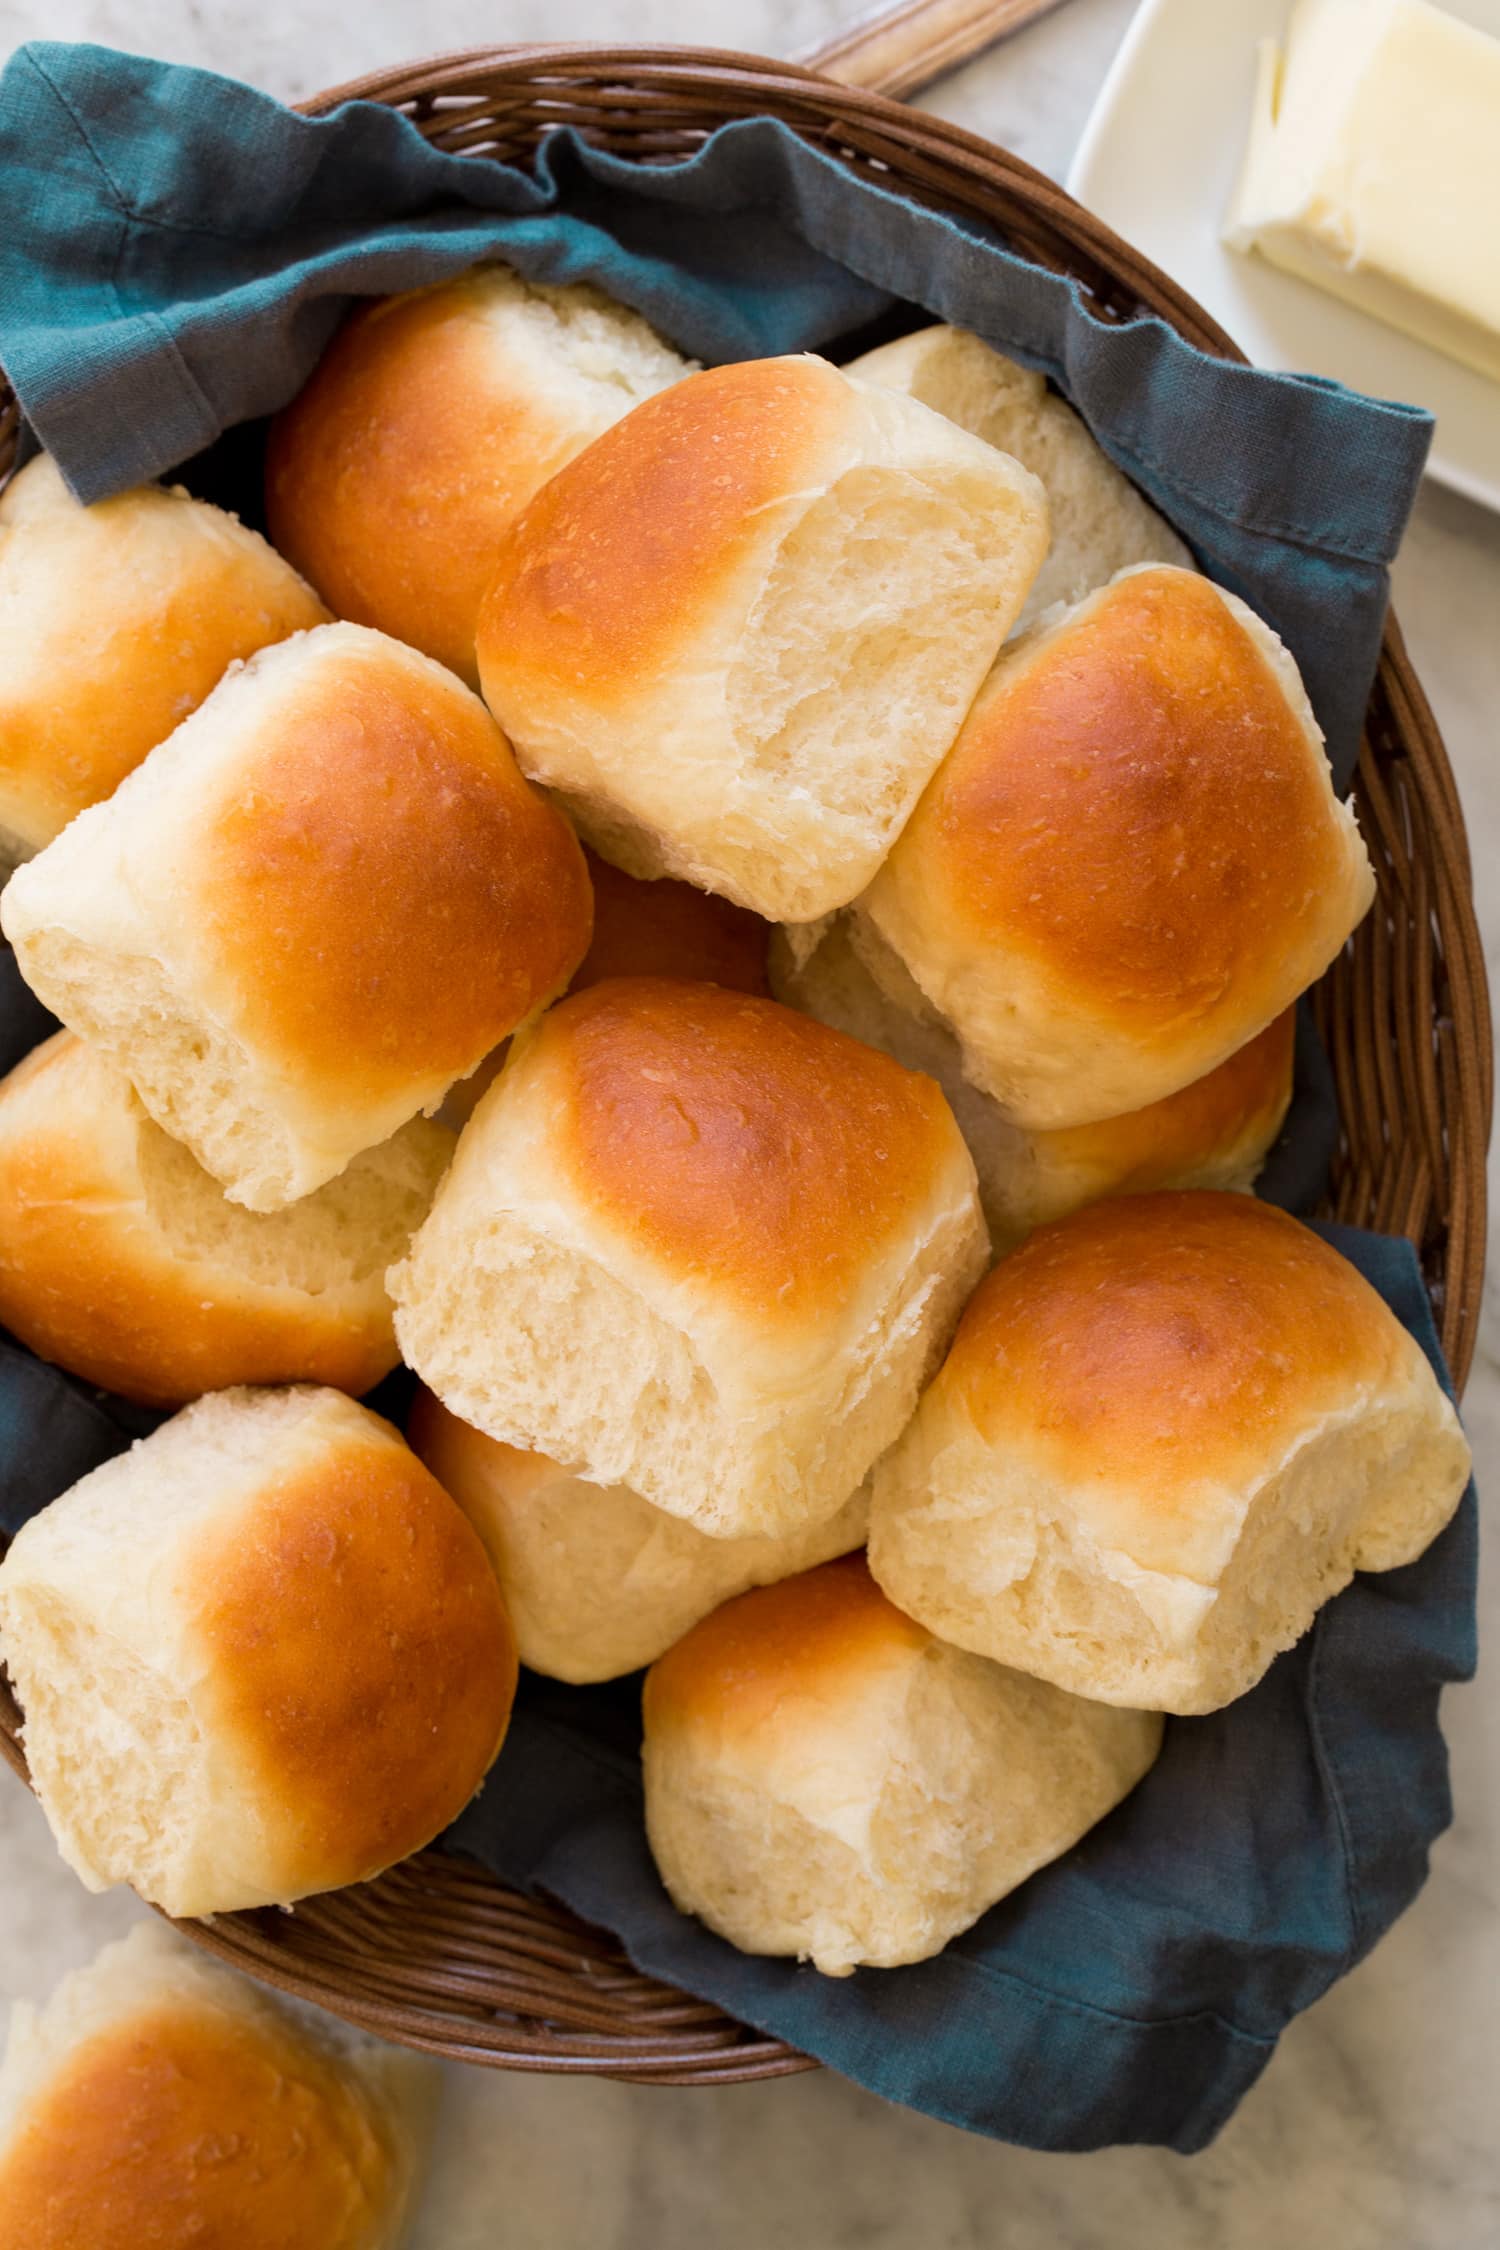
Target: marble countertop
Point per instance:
(1375, 2126)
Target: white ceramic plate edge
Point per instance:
(1110, 116)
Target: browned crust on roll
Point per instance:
(1166, 1341)
(132, 612)
(805, 1635)
(727, 1136)
(88, 1281)
(391, 897)
(1239, 1106)
(1136, 808)
(185, 2126)
(357, 1656)
(606, 573)
(394, 474)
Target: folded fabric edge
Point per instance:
(1398, 464)
(1216, 2061)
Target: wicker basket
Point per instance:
(437, 1953)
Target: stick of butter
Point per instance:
(1373, 168)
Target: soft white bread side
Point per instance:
(1100, 523)
(1213, 1134)
(320, 902)
(158, 2098)
(1132, 859)
(825, 1778)
(596, 1580)
(121, 1260)
(428, 424)
(697, 1245)
(261, 1654)
(1169, 1429)
(115, 623)
(737, 634)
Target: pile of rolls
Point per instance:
(744, 924)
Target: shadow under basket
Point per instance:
(438, 1953)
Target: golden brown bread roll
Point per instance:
(597, 1581)
(1214, 1133)
(121, 1260)
(1168, 1430)
(323, 900)
(698, 1245)
(428, 424)
(115, 622)
(737, 634)
(159, 2099)
(1132, 859)
(259, 1655)
(827, 1779)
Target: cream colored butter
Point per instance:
(1373, 168)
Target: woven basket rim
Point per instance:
(511, 1982)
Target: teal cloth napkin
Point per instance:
(177, 249)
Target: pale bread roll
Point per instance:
(425, 428)
(1100, 523)
(259, 1655)
(160, 2099)
(644, 928)
(115, 623)
(738, 633)
(697, 1245)
(1131, 860)
(1214, 1133)
(1169, 1429)
(322, 901)
(827, 1779)
(122, 1261)
(597, 1581)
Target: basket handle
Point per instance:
(898, 50)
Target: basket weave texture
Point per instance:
(437, 1953)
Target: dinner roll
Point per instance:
(123, 1261)
(647, 929)
(697, 1245)
(1214, 1133)
(115, 622)
(1100, 523)
(326, 897)
(260, 1654)
(1132, 859)
(596, 1580)
(427, 425)
(739, 632)
(1169, 1429)
(160, 2099)
(827, 1779)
